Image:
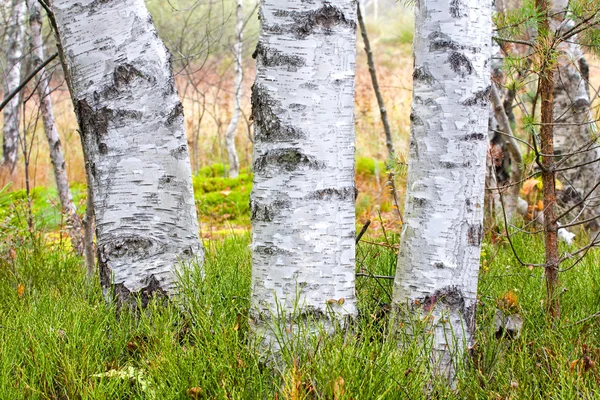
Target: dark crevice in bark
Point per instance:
(124, 74)
(475, 234)
(460, 64)
(453, 165)
(309, 22)
(271, 251)
(124, 297)
(267, 212)
(480, 98)
(274, 58)
(267, 123)
(422, 74)
(474, 137)
(441, 41)
(450, 296)
(347, 193)
(285, 159)
(415, 119)
(458, 9)
(175, 114)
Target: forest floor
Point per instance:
(60, 340)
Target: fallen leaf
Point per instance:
(20, 290)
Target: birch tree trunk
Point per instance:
(438, 261)
(303, 195)
(133, 136)
(56, 154)
(234, 161)
(12, 79)
(575, 136)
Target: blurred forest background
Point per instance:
(200, 36)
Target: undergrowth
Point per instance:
(60, 340)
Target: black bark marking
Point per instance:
(102, 148)
(271, 251)
(480, 98)
(415, 119)
(131, 248)
(347, 193)
(454, 165)
(285, 159)
(422, 74)
(274, 58)
(450, 296)
(475, 234)
(92, 123)
(175, 113)
(471, 137)
(420, 202)
(460, 64)
(310, 22)
(440, 41)
(267, 212)
(457, 9)
(180, 153)
(265, 114)
(580, 105)
(124, 74)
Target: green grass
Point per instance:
(59, 339)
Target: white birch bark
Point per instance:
(234, 161)
(134, 141)
(55, 147)
(12, 79)
(303, 195)
(438, 261)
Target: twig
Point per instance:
(363, 230)
(375, 276)
(584, 320)
(26, 81)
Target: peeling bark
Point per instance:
(132, 131)
(12, 78)
(75, 226)
(234, 161)
(438, 261)
(303, 194)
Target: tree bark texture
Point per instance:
(12, 79)
(438, 261)
(574, 134)
(546, 95)
(303, 195)
(133, 136)
(234, 161)
(74, 223)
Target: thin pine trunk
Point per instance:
(546, 95)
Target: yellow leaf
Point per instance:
(540, 205)
(558, 185)
(20, 290)
(341, 301)
(528, 186)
